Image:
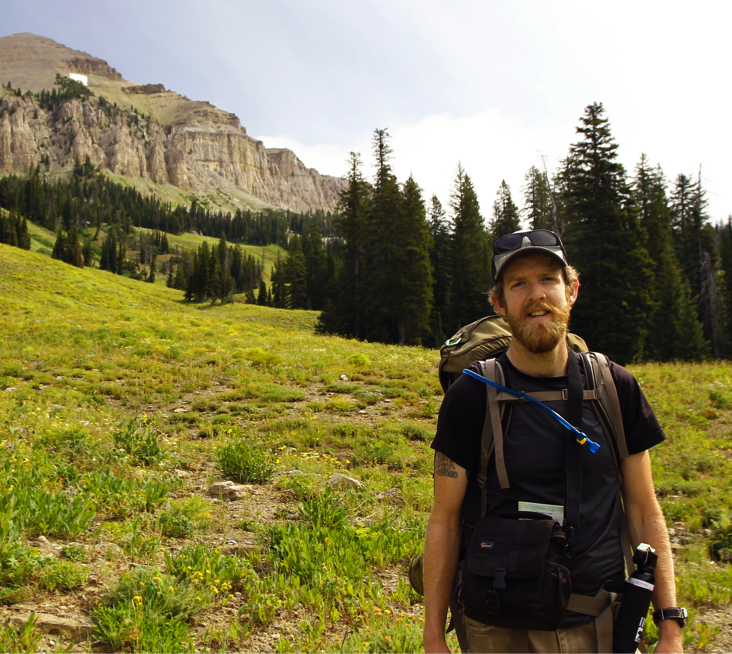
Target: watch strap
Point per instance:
(678, 613)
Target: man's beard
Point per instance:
(540, 337)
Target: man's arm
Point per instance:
(441, 549)
(646, 524)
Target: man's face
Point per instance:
(536, 302)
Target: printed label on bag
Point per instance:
(554, 511)
(640, 583)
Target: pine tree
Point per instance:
(675, 332)
(471, 272)
(344, 314)
(539, 205)
(296, 276)
(412, 286)
(262, 294)
(505, 213)
(382, 258)
(443, 260)
(694, 239)
(606, 244)
(279, 288)
(312, 248)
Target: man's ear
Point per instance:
(574, 292)
(500, 310)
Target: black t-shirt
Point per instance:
(535, 462)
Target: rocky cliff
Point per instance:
(143, 132)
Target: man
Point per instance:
(535, 290)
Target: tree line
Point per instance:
(215, 273)
(656, 273)
(14, 231)
(90, 200)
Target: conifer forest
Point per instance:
(393, 266)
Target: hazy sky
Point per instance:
(497, 86)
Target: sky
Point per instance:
(496, 86)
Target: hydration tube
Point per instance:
(579, 435)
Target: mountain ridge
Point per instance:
(168, 140)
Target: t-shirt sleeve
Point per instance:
(460, 422)
(642, 430)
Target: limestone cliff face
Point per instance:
(192, 145)
(195, 157)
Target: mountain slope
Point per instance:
(158, 139)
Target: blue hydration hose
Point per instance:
(579, 435)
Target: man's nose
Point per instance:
(536, 291)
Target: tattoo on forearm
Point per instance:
(444, 466)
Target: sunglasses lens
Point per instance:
(508, 243)
(543, 238)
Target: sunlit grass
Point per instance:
(118, 400)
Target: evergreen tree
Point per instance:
(538, 202)
(724, 237)
(179, 281)
(296, 276)
(505, 214)
(344, 314)
(443, 260)
(87, 252)
(412, 285)
(382, 258)
(67, 248)
(262, 294)
(675, 331)
(151, 273)
(606, 244)
(694, 239)
(314, 253)
(472, 247)
(279, 287)
(249, 297)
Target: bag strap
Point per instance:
(493, 440)
(573, 450)
(599, 376)
(608, 397)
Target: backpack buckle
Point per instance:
(492, 600)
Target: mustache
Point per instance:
(540, 306)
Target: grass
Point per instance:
(120, 405)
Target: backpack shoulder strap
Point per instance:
(608, 398)
(492, 438)
(609, 402)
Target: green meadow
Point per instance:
(123, 408)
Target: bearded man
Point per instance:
(534, 291)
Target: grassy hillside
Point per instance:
(42, 241)
(121, 406)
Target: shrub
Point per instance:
(24, 638)
(245, 463)
(148, 612)
(359, 360)
(140, 441)
(63, 575)
(175, 524)
(206, 566)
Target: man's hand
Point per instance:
(441, 549)
(646, 524)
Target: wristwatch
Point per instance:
(678, 613)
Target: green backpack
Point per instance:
(486, 338)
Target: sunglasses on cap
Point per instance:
(543, 239)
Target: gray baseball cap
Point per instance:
(542, 241)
